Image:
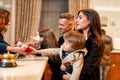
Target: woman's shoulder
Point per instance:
(2, 47)
(2, 40)
(1, 37)
(90, 40)
(91, 44)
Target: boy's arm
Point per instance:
(47, 52)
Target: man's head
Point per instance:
(66, 22)
(103, 32)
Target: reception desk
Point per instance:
(114, 70)
(27, 69)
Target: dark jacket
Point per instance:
(60, 41)
(90, 69)
(3, 45)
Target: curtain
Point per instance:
(27, 19)
(76, 5)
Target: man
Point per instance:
(107, 39)
(66, 23)
(104, 64)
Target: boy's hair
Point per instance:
(76, 39)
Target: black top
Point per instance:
(90, 69)
(60, 41)
(3, 45)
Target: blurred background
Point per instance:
(29, 16)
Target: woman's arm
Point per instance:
(5, 47)
(15, 49)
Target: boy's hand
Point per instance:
(66, 76)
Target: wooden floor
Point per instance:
(114, 70)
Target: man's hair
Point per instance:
(103, 32)
(67, 16)
(76, 39)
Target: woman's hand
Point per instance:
(63, 67)
(16, 49)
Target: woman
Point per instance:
(48, 40)
(88, 23)
(4, 21)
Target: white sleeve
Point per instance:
(77, 68)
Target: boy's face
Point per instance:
(67, 46)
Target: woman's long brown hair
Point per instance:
(4, 20)
(50, 40)
(95, 26)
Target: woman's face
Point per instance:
(82, 23)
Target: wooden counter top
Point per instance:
(114, 70)
(27, 69)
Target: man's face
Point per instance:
(64, 25)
